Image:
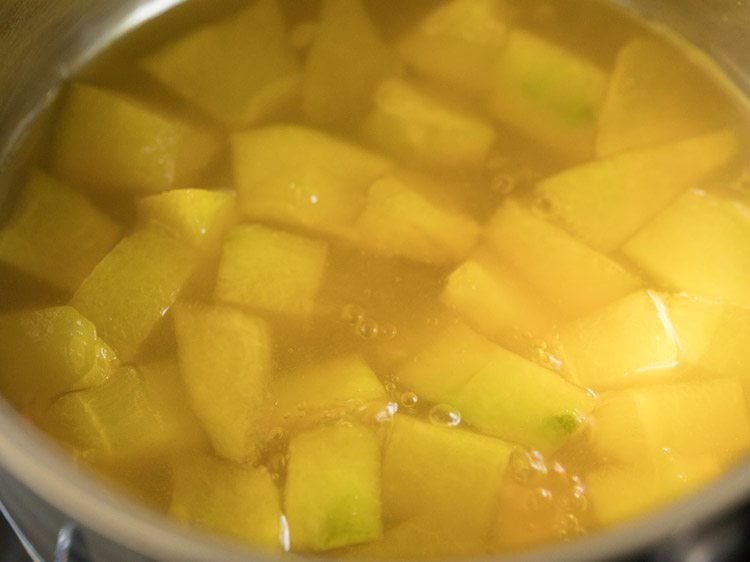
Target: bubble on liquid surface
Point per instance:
(388, 331)
(539, 499)
(353, 314)
(445, 415)
(368, 329)
(409, 399)
(526, 465)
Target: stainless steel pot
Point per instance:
(56, 507)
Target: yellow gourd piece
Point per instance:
(606, 201)
(225, 358)
(114, 422)
(55, 233)
(688, 420)
(401, 221)
(229, 67)
(520, 401)
(494, 302)
(564, 271)
(132, 288)
(710, 258)
(346, 61)
(48, 352)
(548, 93)
(344, 382)
(656, 95)
(416, 127)
(199, 216)
(303, 177)
(714, 338)
(445, 474)
(627, 343)
(458, 44)
(233, 500)
(271, 270)
(129, 146)
(332, 493)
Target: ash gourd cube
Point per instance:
(346, 61)
(130, 146)
(415, 127)
(55, 233)
(607, 201)
(236, 501)
(303, 177)
(564, 271)
(225, 358)
(496, 391)
(332, 496)
(709, 259)
(49, 352)
(238, 70)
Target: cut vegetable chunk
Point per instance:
(235, 501)
(401, 221)
(458, 44)
(449, 475)
(332, 495)
(303, 177)
(606, 201)
(548, 93)
(55, 233)
(656, 95)
(225, 361)
(709, 258)
(346, 62)
(48, 352)
(128, 145)
(343, 382)
(629, 342)
(228, 68)
(491, 300)
(563, 270)
(520, 401)
(413, 126)
(131, 289)
(199, 216)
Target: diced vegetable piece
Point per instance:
(270, 270)
(227, 68)
(128, 293)
(199, 216)
(548, 93)
(128, 146)
(699, 244)
(346, 62)
(656, 95)
(303, 177)
(449, 475)
(402, 221)
(55, 233)
(225, 358)
(458, 44)
(560, 268)
(114, 422)
(415, 127)
(332, 495)
(445, 364)
(618, 494)
(629, 342)
(236, 501)
(520, 401)
(48, 352)
(342, 382)
(690, 420)
(714, 338)
(491, 300)
(606, 201)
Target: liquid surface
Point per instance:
(380, 281)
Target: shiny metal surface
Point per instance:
(41, 43)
